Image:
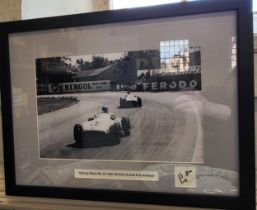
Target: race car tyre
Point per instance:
(114, 136)
(125, 123)
(118, 129)
(139, 102)
(77, 130)
(134, 104)
(122, 102)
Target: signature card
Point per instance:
(185, 177)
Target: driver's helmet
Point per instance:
(105, 109)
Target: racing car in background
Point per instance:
(130, 101)
(102, 129)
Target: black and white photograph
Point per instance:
(120, 106)
(147, 105)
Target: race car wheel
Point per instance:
(134, 104)
(117, 128)
(122, 102)
(114, 135)
(125, 123)
(139, 102)
(77, 130)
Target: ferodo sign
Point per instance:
(80, 86)
(181, 83)
(173, 85)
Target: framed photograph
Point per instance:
(150, 105)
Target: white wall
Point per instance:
(47, 8)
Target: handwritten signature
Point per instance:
(183, 178)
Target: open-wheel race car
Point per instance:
(130, 101)
(103, 129)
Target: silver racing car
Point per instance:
(130, 101)
(102, 129)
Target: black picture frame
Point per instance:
(243, 9)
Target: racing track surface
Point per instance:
(159, 133)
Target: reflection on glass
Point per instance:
(175, 56)
(234, 53)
